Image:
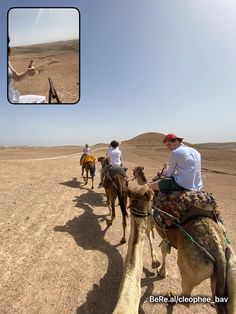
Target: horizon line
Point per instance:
(42, 43)
(77, 145)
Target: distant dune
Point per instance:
(226, 145)
(148, 138)
(69, 45)
(216, 157)
(144, 139)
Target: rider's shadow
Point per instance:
(88, 234)
(74, 183)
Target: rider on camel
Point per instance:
(183, 171)
(86, 152)
(114, 158)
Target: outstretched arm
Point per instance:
(19, 76)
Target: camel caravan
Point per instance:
(185, 218)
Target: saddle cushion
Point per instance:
(110, 171)
(88, 159)
(183, 205)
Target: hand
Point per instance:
(31, 70)
(166, 165)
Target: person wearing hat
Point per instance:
(183, 171)
(114, 158)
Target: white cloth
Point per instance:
(114, 156)
(185, 167)
(32, 99)
(87, 150)
(109, 150)
(15, 97)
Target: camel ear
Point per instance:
(149, 194)
(142, 168)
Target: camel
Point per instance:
(88, 165)
(115, 186)
(130, 288)
(196, 265)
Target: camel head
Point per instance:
(139, 175)
(140, 198)
(103, 161)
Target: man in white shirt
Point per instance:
(114, 158)
(114, 154)
(183, 171)
(86, 150)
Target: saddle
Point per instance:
(110, 171)
(88, 159)
(182, 205)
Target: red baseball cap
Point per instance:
(171, 136)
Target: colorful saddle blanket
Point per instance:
(183, 205)
(87, 159)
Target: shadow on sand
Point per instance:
(148, 281)
(88, 234)
(74, 183)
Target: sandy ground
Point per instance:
(59, 61)
(56, 254)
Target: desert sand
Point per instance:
(56, 253)
(58, 60)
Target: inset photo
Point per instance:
(43, 56)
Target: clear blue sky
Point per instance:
(32, 26)
(146, 65)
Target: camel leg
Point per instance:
(113, 214)
(165, 248)
(82, 173)
(150, 235)
(124, 223)
(213, 287)
(187, 287)
(86, 179)
(231, 283)
(193, 271)
(108, 203)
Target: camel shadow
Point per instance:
(151, 278)
(88, 234)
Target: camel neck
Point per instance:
(130, 289)
(142, 179)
